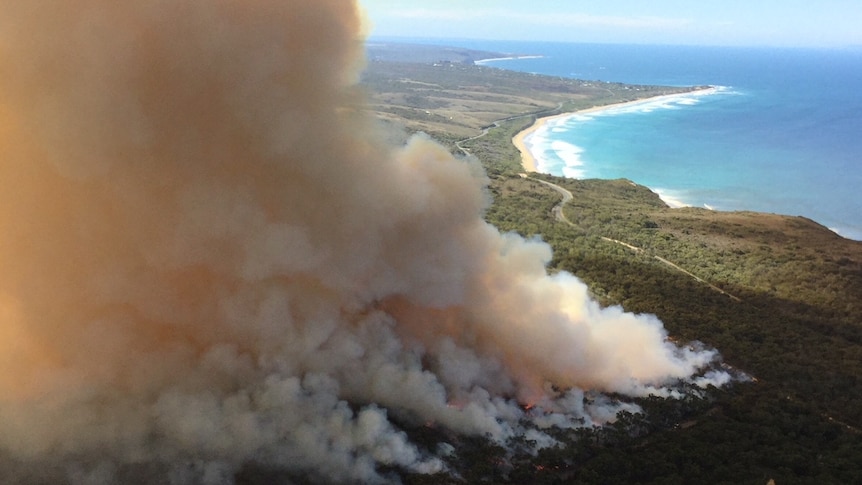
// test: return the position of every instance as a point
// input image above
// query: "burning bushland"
(211, 258)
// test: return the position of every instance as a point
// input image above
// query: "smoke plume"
(209, 258)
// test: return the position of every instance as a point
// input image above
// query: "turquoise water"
(782, 133)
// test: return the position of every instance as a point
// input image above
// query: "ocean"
(781, 134)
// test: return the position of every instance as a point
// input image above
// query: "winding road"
(557, 211)
(559, 215)
(496, 124)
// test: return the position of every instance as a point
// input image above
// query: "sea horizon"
(778, 135)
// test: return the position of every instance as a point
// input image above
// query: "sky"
(792, 23)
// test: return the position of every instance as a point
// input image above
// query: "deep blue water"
(782, 134)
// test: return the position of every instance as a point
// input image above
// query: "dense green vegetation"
(779, 296)
(795, 329)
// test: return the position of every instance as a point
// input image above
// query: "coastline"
(511, 58)
(529, 161)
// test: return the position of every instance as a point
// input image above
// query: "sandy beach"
(528, 160)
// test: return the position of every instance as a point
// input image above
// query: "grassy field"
(788, 312)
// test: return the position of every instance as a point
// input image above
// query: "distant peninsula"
(386, 51)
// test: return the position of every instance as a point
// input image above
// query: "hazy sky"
(725, 22)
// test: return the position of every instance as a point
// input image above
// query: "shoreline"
(529, 161)
(510, 58)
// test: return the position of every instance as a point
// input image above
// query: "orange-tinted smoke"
(206, 251)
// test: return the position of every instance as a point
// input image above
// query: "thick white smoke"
(209, 258)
